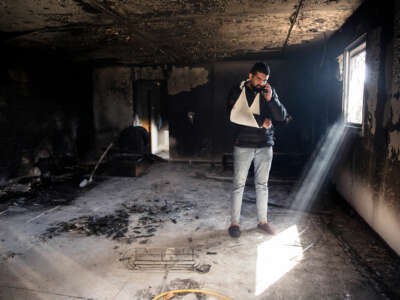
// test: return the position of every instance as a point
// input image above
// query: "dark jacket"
(252, 137)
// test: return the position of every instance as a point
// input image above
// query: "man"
(252, 105)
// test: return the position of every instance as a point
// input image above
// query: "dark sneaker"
(234, 231)
(267, 228)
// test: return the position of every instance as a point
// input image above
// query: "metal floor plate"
(160, 259)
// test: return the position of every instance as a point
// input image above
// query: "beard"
(258, 87)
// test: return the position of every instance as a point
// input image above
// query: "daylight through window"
(355, 70)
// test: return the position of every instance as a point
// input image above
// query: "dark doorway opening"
(150, 112)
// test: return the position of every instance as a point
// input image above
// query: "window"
(353, 82)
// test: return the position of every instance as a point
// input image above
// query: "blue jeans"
(242, 158)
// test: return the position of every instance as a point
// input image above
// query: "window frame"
(356, 47)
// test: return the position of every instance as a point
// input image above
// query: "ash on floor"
(320, 255)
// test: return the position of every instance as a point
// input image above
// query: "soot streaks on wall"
(185, 79)
(190, 107)
(367, 175)
(112, 101)
(394, 127)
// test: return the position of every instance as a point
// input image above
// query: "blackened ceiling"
(168, 31)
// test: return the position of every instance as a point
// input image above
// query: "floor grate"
(160, 259)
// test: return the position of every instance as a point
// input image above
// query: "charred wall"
(190, 112)
(188, 103)
(45, 112)
(192, 101)
(112, 102)
(209, 134)
(368, 172)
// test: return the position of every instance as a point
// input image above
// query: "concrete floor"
(182, 211)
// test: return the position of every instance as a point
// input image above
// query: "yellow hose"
(171, 294)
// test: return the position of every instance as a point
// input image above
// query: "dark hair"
(261, 68)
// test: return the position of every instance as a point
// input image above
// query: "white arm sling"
(241, 113)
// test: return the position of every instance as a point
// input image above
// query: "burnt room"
(181, 149)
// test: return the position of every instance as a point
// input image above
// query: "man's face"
(258, 80)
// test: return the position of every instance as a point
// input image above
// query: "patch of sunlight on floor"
(276, 257)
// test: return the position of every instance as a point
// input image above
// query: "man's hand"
(267, 92)
(267, 123)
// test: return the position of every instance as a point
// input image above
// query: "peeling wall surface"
(190, 107)
(368, 174)
(394, 145)
(113, 102)
(394, 131)
(185, 79)
(371, 83)
(148, 73)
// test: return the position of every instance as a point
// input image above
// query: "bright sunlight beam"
(276, 257)
(319, 166)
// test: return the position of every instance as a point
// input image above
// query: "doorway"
(150, 112)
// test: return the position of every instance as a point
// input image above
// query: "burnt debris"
(39, 191)
(112, 226)
(131, 223)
